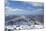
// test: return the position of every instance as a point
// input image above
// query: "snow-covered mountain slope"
(25, 21)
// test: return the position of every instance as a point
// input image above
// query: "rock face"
(23, 21)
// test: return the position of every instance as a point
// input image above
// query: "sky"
(24, 8)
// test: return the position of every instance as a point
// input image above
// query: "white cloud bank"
(37, 4)
(11, 11)
(16, 11)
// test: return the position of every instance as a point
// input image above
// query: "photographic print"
(22, 15)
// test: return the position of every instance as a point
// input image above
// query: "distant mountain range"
(19, 20)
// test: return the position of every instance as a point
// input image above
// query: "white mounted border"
(2, 16)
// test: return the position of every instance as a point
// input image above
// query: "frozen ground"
(25, 27)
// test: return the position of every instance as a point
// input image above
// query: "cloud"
(24, 9)
(33, 3)
(37, 4)
(24, 5)
(16, 11)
